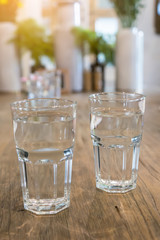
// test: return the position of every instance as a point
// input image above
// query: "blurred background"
(79, 46)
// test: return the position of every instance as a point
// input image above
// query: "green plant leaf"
(29, 36)
(127, 11)
(96, 43)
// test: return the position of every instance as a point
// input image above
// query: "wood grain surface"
(93, 214)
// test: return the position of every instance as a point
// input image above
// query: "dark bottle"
(97, 75)
(157, 17)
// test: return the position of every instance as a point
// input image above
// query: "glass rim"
(123, 96)
(20, 104)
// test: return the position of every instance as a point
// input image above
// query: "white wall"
(151, 46)
(31, 9)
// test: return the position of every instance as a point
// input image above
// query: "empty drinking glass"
(44, 84)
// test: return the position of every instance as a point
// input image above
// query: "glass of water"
(116, 122)
(44, 133)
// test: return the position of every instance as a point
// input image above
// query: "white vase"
(129, 60)
(67, 56)
(9, 64)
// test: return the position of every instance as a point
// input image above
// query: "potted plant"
(96, 45)
(90, 41)
(29, 36)
(9, 65)
(129, 47)
(127, 11)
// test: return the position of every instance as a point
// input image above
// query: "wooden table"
(93, 214)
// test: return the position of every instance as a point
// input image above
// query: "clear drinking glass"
(116, 122)
(44, 133)
(44, 84)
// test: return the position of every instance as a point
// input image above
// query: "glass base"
(46, 206)
(116, 186)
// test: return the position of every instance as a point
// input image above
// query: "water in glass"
(116, 136)
(44, 146)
